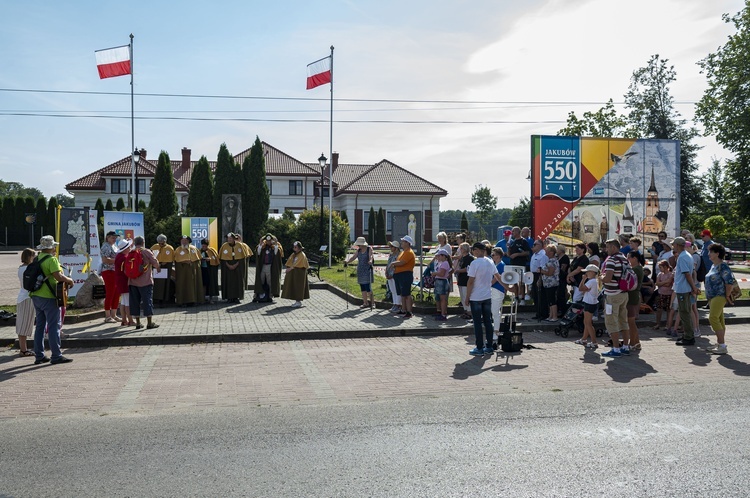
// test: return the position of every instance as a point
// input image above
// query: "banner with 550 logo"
(560, 168)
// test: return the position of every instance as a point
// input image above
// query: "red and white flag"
(113, 62)
(319, 72)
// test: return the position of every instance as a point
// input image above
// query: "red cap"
(507, 232)
(706, 233)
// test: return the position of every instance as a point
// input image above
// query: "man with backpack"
(616, 308)
(138, 264)
(46, 270)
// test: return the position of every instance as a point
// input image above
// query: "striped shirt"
(615, 264)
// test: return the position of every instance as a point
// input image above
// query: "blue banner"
(560, 168)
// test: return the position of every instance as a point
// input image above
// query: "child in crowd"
(590, 289)
(442, 286)
(25, 311)
(461, 268)
(664, 281)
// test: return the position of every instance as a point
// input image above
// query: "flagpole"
(132, 132)
(330, 174)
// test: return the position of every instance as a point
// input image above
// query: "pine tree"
(41, 217)
(380, 239)
(225, 182)
(52, 214)
(256, 198)
(344, 217)
(120, 204)
(201, 195)
(371, 226)
(99, 206)
(109, 206)
(464, 223)
(163, 198)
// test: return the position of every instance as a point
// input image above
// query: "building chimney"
(185, 158)
(334, 161)
(143, 153)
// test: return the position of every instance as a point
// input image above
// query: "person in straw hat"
(45, 303)
(365, 261)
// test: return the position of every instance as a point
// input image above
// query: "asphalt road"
(678, 440)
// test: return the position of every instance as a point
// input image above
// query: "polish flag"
(113, 61)
(319, 72)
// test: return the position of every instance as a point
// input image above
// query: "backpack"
(701, 272)
(134, 266)
(33, 275)
(628, 281)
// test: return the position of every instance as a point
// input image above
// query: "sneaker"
(393, 309)
(44, 359)
(625, 352)
(489, 350)
(592, 345)
(717, 349)
(612, 354)
(61, 359)
(580, 342)
(685, 342)
(441, 318)
(711, 347)
(697, 332)
(477, 352)
(406, 315)
(668, 332)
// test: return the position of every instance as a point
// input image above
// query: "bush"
(308, 232)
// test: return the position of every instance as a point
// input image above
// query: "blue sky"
(498, 51)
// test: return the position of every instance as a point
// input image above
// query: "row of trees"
(13, 216)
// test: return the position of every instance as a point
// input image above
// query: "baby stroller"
(574, 318)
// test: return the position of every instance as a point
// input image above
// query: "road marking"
(319, 385)
(129, 394)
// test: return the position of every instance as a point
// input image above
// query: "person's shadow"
(592, 357)
(739, 367)
(625, 370)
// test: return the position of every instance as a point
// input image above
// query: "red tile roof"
(384, 177)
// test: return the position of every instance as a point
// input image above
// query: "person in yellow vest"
(163, 287)
(209, 271)
(295, 282)
(184, 274)
(248, 255)
(232, 255)
(195, 258)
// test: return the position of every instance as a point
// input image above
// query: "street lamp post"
(322, 161)
(136, 157)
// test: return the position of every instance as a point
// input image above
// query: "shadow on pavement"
(739, 367)
(697, 354)
(625, 369)
(592, 357)
(476, 365)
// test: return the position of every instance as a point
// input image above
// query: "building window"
(325, 192)
(119, 186)
(141, 185)
(365, 220)
(269, 184)
(295, 187)
(388, 224)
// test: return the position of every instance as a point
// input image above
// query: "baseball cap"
(507, 232)
(407, 238)
(593, 268)
(706, 233)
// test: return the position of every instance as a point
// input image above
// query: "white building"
(293, 185)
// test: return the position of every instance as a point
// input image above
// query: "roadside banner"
(202, 228)
(125, 224)
(79, 244)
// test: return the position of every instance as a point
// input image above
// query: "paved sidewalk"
(118, 381)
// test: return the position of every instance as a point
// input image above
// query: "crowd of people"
(187, 276)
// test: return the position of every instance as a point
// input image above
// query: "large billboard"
(202, 228)
(592, 189)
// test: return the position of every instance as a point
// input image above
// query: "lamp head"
(322, 160)
(136, 155)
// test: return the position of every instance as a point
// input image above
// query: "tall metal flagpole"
(132, 132)
(330, 174)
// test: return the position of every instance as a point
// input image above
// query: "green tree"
(464, 222)
(41, 217)
(284, 229)
(52, 213)
(153, 226)
(605, 122)
(652, 115)
(380, 238)
(256, 198)
(308, 226)
(6, 221)
(163, 198)
(15, 189)
(201, 195)
(485, 203)
(371, 226)
(717, 224)
(225, 180)
(65, 200)
(521, 215)
(724, 109)
(120, 205)
(344, 216)
(99, 207)
(109, 206)
(288, 214)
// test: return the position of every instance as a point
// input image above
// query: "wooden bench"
(314, 260)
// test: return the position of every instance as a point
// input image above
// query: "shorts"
(403, 282)
(441, 287)
(590, 308)
(125, 298)
(365, 287)
(663, 301)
